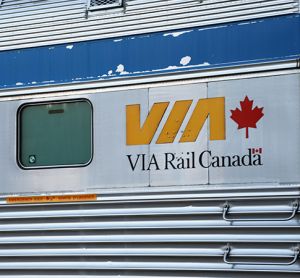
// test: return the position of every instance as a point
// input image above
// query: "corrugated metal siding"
(158, 237)
(27, 23)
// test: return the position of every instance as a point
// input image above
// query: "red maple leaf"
(247, 117)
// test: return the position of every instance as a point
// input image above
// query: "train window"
(55, 134)
(104, 4)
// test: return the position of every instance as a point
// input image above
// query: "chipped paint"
(185, 60)
(205, 64)
(248, 22)
(213, 27)
(70, 46)
(120, 68)
(124, 72)
(177, 34)
(169, 68)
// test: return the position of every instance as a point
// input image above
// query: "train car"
(150, 138)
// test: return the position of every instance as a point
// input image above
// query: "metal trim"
(226, 207)
(227, 254)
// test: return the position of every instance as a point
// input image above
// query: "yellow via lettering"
(214, 108)
(137, 135)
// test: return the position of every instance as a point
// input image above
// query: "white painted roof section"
(28, 23)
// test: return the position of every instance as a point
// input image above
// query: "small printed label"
(51, 199)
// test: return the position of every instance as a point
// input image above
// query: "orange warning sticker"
(51, 199)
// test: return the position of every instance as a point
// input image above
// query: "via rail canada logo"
(246, 117)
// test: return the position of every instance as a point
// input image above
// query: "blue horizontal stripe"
(241, 43)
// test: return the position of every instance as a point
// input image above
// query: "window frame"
(18, 134)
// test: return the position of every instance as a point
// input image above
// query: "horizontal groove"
(16, 8)
(87, 274)
(41, 16)
(142, 274)
(132, 265)
(40, 6)
(113, 19)
(63, 18)
(113, 212)
(140, 211)
(143, 12)
(158, 238)
(205, 4)
(158, 4)
(261, 192)
(219, 4)
(179, 5)
(26, 3)
(185, 252)
(40, 12)
(73, 37)
(182, 8)
(124, 24)
(81, 18)
(156, 252)
(165, 224)
(118, 22)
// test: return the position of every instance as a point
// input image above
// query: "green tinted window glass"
(55, 134)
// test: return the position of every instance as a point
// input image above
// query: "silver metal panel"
(29, 23)
(277, 133)
(182, 152)
(111, 167)
(15, 179)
